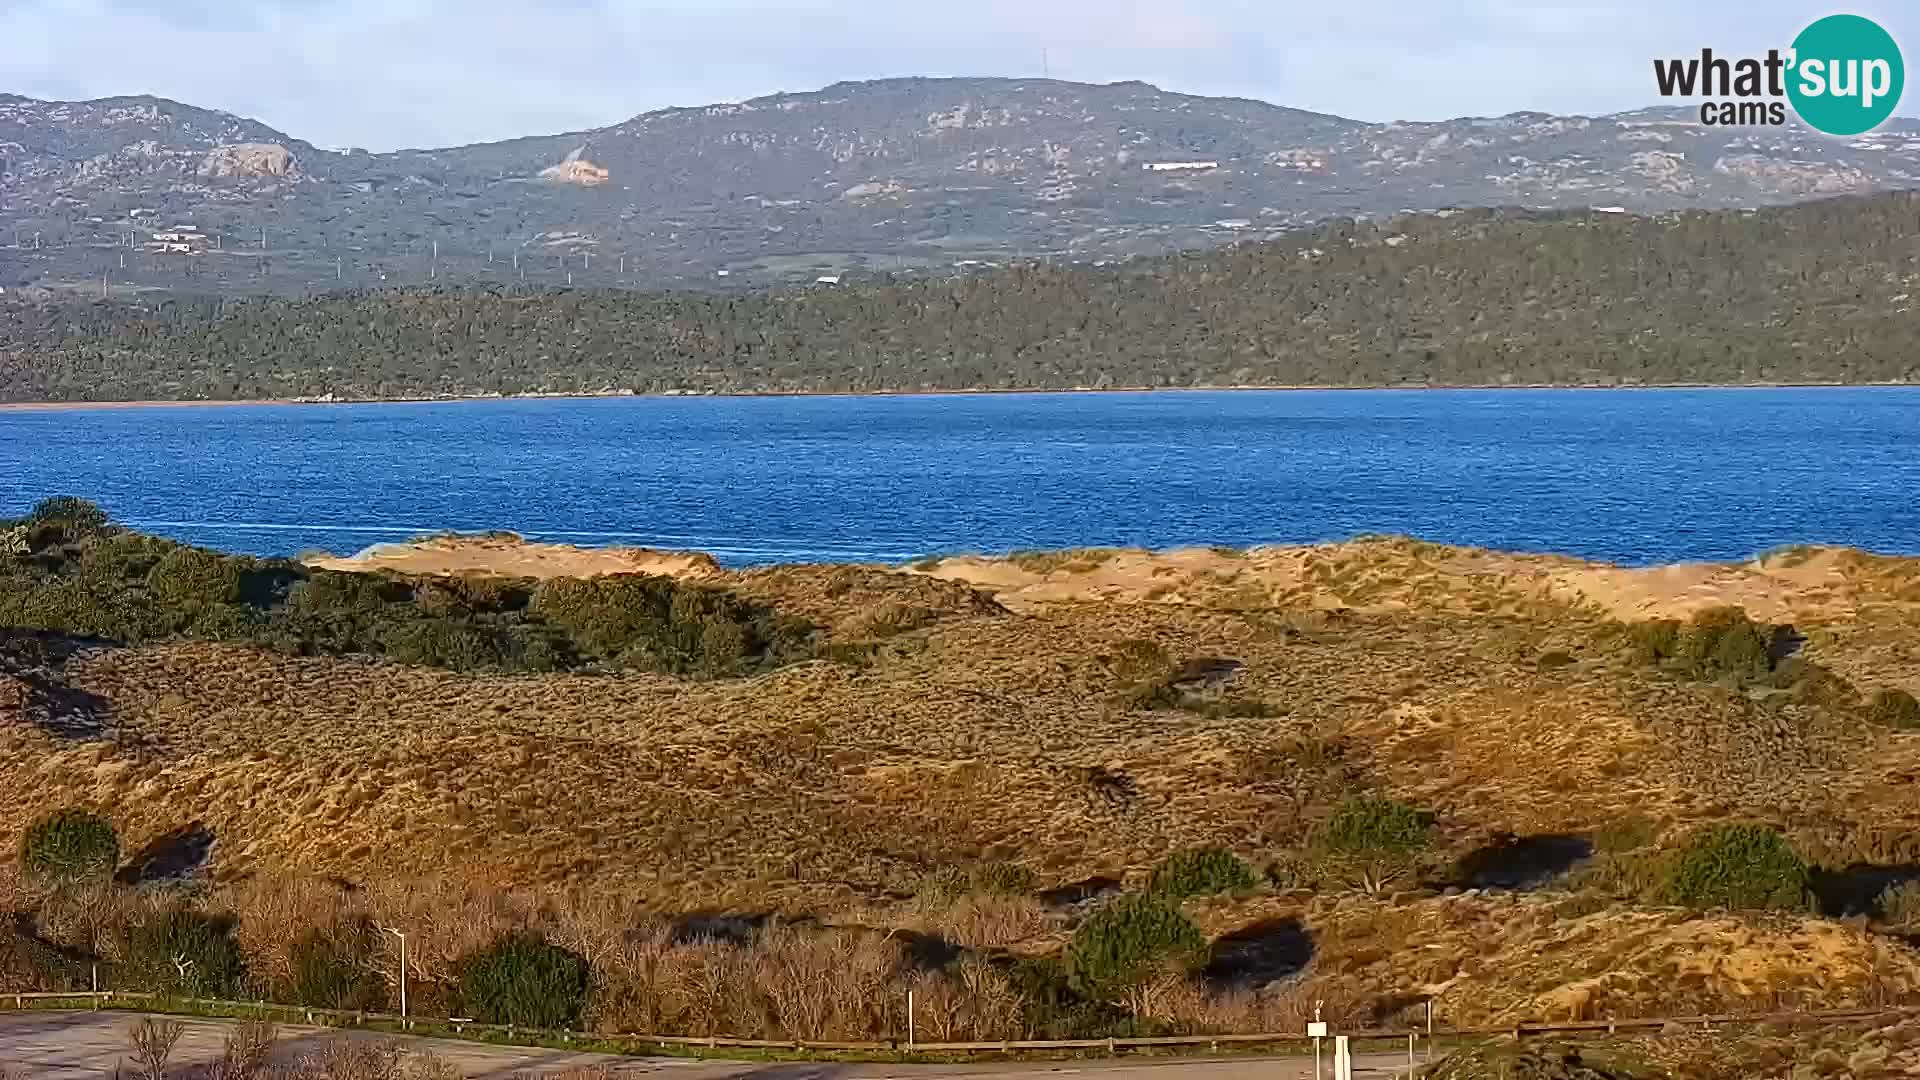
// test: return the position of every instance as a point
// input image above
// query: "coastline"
(68, 406)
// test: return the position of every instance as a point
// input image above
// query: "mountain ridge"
(901, 175)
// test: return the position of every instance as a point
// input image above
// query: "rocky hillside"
(889, 176)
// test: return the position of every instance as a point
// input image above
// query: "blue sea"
(1633, 476)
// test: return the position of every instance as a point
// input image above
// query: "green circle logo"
(1846, 76)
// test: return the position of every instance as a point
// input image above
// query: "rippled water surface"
(1637, 476)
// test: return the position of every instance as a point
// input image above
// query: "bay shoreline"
(68, 406)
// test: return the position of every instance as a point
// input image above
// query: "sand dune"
(510, 556)
(1372, 575)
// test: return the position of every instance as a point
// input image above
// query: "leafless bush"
(991, 921)
(631, 989)
(347, 1059)
(712, 987)
(272, 914)
(152, 1042)
(1192, 1006)
(826, 984)
(80, 915)
(248, 1053)
(443, 920)
(970, 1000)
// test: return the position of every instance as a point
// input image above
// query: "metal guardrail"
(352, 1018)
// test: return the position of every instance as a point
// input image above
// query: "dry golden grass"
(1490, 689)
(996, 736)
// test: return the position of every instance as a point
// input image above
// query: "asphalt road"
(91, 1045)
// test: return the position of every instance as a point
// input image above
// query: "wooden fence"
(116, 999)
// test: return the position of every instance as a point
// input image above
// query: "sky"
(387, 74)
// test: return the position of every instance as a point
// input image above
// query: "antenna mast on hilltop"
(1046, 69)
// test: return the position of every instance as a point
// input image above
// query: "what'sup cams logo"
(1842, 76)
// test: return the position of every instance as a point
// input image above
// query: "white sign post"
(1342, 1059)
(1316, 1030)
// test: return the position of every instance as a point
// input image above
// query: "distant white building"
(1180, 166)
(827, 279)
(179, 240)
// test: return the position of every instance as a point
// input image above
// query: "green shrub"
(1717, 642)
(1003, 879)
(182, 952)
(333, 968)
(335, 612)
(132, 588)
(653, 623)
(1895, 708)
(442, 643)
(1127, 941)
(76, 519)
(1206, 871)
(1050, 1007)
(1369, 842)
(1367, 825)
(1737, 866)
(69, 846)
(522, 979)
(190, 577)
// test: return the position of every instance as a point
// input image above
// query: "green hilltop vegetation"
(1817, 292)
(67, 569)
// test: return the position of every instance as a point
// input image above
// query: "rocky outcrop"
(1794, 177)
(576, 169)
(238, 160)
(873, 189)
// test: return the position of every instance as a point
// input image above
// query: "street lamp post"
(403, 975)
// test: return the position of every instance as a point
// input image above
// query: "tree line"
(1817, 292)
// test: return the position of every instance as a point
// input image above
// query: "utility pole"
(623, 266)
(586, 260)
(336, 268)
(403, 975)
(104, 289)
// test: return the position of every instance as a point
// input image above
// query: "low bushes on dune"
(79, 574)
(523, 979)
(177, 950)
(1205, 871)
(1716, 643)
(1737, 866)
(69, 846)
(1127, 941)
